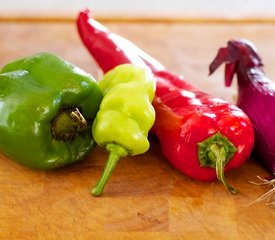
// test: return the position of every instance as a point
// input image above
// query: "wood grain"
(146, 198)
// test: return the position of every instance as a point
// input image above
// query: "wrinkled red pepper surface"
(201, 135)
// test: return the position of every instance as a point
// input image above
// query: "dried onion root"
(269, 196)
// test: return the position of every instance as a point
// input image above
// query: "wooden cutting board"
(146, 198)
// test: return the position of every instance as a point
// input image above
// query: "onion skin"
(256, 94)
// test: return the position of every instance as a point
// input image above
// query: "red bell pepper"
(201, 135)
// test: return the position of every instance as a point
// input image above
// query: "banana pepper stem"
(115, 153)
(67, 124)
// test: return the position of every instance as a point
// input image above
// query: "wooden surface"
(146, 198)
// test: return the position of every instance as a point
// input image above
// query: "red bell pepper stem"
(200, 135)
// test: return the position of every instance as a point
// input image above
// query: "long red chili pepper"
(201, 135)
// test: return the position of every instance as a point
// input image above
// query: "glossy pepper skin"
(125, 116)
(46, 106)
(201, 135)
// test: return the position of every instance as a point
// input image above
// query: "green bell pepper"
(125, 116)
(47, 106)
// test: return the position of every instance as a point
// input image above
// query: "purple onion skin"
(256, 94)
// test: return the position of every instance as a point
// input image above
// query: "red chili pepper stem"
(216, 151)
(115, 153)
(67, 124)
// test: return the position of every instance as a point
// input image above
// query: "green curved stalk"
(115, 153)
(216, 151)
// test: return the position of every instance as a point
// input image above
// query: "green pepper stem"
(216, 151)
(115, 153)
(220, 155)
(67, 124)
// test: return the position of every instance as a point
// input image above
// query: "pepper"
(125, 116)
(46, 109)
(201, 135)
